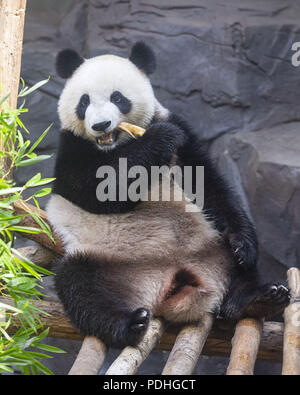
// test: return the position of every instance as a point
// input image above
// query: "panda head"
(105, 90)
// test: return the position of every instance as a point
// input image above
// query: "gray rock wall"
(224, 65)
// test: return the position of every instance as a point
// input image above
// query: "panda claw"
(273, 290)
(283, 289)
(244, 251)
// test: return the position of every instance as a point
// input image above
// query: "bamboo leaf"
(26, 91)
(19, 277)
(40, 139)
(33, 161)
(46, 347)
(43, 192)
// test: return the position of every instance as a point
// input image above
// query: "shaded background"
(225, 65)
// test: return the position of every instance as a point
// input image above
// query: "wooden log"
(131, 358)
(12, 14)
(291, 348)
(38, 254)
(22, 207)
(245, 345)
(90, 358)
(187, 348)
(218, 341)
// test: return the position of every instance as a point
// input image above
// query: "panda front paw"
(166, 132)
(245, 251)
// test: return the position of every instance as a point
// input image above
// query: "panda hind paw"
(138, 325)
(271, 300)
(139, 320)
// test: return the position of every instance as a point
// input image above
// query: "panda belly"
(129, 235)
(174, 262)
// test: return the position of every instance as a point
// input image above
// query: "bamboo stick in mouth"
(133, 130)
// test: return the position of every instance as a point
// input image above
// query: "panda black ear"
(143, 57)
(67, 61)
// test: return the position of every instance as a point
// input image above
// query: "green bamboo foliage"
(20, 279)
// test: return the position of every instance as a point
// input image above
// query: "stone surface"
(220, 65)
(226, 67)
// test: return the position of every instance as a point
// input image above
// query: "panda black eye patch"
(82, 106)
(123, 104)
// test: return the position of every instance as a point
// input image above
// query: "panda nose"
(101, 126)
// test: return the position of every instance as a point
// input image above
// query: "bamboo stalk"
(90, 358)
(12, 14)
(291, 347)
(131, 358)
(245, 345)
(188, 347)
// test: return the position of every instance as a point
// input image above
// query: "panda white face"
(102, 92)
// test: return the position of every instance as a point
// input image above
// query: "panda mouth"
(107, 139)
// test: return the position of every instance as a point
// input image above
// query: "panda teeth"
(108, 139)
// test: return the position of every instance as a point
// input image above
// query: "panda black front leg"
(238, 229)
(156, 147)
(94, 305)
(244, 247)
(221, 205)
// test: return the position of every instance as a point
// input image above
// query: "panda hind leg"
(93, 295)
(246, 298)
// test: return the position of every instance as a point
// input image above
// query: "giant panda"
(128, 260)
